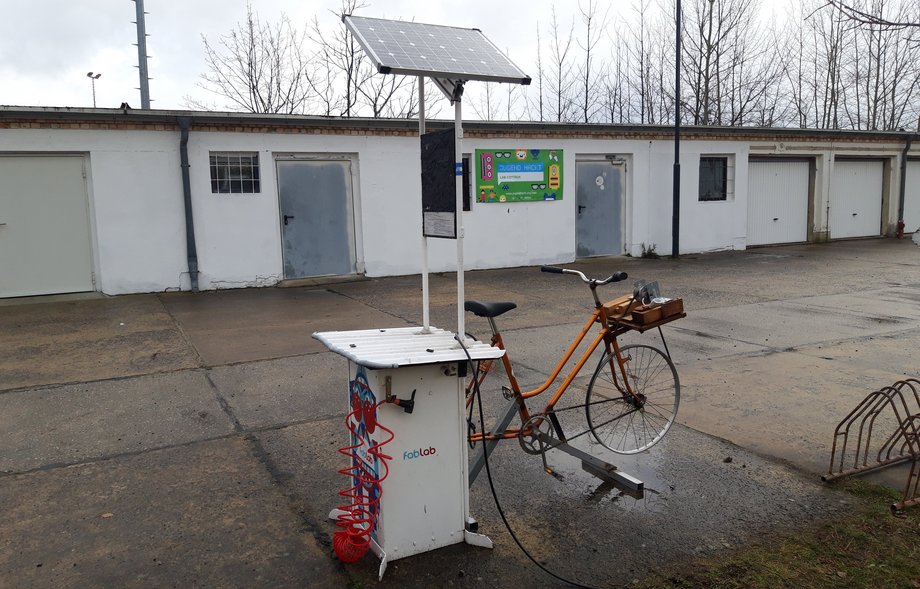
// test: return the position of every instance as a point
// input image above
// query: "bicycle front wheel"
(628, 424)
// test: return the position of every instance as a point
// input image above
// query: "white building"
(95, 199)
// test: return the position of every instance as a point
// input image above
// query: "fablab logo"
(412, 454)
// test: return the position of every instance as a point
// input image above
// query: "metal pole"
(675, 203)
(426, 320)
(142, 53)
(92, 80)
(458, 175)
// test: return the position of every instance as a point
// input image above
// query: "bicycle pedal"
(507, 393)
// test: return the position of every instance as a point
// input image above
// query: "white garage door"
(856, 199)
(912, 197)
(44, 226)
(777, 202)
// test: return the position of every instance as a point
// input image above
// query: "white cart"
(424, 502)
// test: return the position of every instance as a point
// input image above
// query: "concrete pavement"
(183, 439)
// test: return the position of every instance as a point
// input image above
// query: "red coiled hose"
(360, 512)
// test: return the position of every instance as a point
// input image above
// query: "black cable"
(498, 505)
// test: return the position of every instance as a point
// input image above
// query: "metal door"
(317, 226)
(777, 202)
(45, 245)
(599, 200)
(856, 199)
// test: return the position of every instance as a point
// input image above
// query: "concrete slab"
(895, 353)
(895, 302)
(572, 522)
(786, 324)
(848, 308)
(256, 324)
(278, 392)
(784, 404)
(83, 340)
(76, 423)
(205, 515)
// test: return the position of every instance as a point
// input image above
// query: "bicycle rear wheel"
(628, 425)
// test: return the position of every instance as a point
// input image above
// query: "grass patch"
(864, 546)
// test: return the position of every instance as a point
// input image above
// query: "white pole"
(458, 175)
(426, 328)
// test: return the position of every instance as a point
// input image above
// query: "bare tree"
(728, 63)
(341, 50)
(561, 79)
(617, 103)
(488, 105)
(378, 91)
(858, 13)
(588, 78)
(882, 77)
(258, 67)
(645, 42)
(404, 104)
(539, 99)
(827, 38)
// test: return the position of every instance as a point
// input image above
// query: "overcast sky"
(48, 46)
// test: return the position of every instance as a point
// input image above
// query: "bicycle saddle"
(487, 309)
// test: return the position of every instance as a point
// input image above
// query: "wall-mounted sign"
(516, 175)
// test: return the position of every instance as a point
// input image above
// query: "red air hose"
(359, 519)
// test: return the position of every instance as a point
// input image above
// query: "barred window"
(713, 178)
(235, 172)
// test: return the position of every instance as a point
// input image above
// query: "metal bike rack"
(894, 411)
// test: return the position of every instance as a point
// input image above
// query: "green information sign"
(517, 175)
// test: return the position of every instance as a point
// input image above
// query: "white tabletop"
(403, 346)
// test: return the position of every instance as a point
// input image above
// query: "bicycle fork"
(612, 349)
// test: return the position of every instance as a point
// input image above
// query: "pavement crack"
(280, 480)
(224, 404)
(378, 309)
(181, 331)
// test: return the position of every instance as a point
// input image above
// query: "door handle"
(581, 208)
(286, 217)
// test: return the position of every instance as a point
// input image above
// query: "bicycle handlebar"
(615, 277)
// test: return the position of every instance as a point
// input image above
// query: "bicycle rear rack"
(895, 411)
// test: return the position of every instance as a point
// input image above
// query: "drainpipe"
(187, 195)
(910, 139)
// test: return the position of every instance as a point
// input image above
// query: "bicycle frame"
(608, 335)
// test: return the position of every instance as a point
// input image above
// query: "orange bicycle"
(632, 398)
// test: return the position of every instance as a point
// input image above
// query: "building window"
(716, 178)
(235, 172)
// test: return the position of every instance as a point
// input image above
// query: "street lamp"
(92, 78)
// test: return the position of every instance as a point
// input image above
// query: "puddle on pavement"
(645, 466)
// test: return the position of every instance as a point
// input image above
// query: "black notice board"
(439, 185)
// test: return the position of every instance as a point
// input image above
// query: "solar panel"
(436, 51)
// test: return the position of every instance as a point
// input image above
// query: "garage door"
(856, 199)
(912, 197)
(777, 202)
(44, 226)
